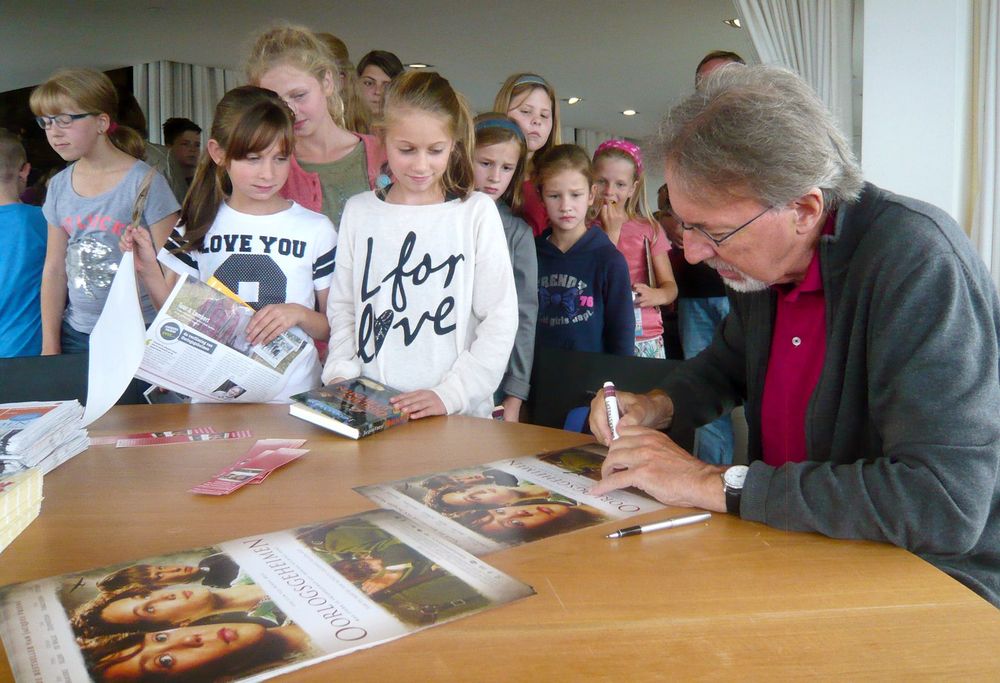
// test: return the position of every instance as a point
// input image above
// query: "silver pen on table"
(656, 526)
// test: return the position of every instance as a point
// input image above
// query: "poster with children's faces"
(195, 613)
(508, 502)
(250, 608)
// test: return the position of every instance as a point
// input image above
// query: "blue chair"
(576, 419)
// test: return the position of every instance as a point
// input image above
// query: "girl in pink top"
(331, 164)
(625, 217)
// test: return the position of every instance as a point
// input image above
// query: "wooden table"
(729, 599)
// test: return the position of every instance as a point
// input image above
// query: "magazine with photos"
(197, 347)
(41, 434)
(508, 502)
(24, 425)
(247, 609)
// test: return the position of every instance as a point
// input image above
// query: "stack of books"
(20, 502)
(42, 434)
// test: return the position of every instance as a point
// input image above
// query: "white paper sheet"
(116, 343)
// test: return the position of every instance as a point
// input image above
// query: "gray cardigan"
(520, 241)
(903, 428)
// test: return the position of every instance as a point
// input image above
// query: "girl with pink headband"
(629, 224)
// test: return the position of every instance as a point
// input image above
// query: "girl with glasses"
(89, 204)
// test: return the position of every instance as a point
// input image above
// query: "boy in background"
(183, 139)
(23, 233)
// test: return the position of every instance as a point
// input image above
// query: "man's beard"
(746, 284)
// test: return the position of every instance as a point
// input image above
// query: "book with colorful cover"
(353, 408)
(248, 609)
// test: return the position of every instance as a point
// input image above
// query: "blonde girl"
(331, 163)
(584, 294)
(629, 224)
(276, 255)
(423, 294)
(89, 203)
(532, 103)
(357, 118)
(498, 168)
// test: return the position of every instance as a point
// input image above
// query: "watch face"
(735, 476)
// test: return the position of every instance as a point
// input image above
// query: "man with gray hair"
(863, 340)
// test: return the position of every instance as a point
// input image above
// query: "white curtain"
(165, 89)
(985, 176)
(814, 38)
(589, 139)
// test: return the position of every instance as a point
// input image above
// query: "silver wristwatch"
(732, 486)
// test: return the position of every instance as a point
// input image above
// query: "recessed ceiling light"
(630, 112)
(573, 100)
(733, 23)
(418, 65)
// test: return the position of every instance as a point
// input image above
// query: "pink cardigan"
(304, 188)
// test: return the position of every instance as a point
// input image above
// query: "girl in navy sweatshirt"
(584, 292)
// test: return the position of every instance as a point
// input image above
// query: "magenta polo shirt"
(798, 349)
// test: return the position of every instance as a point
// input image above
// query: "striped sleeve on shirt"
(323, 267)
(173, 246)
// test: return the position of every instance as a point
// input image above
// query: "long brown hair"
(247, 120)
(91, 92)
(428, 91)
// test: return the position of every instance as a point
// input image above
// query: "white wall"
(916, 103)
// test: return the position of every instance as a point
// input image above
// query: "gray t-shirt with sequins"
(94, 226)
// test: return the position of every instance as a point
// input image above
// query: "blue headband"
(504, 123)
(531, 78)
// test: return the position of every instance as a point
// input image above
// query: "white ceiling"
(637, 55)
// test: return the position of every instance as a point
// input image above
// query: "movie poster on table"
(197, 346)
(504, 503)
(247, 609)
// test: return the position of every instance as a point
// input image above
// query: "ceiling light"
(733, 23)
(573, 100)
(630, 112)
(418, 65)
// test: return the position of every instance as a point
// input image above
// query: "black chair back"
(53, 378)
(563, 380)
